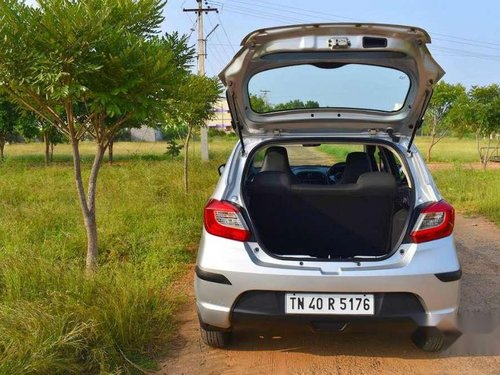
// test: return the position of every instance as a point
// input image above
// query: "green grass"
(54, 318)
(339, 151)
(450, 150)
(471, 191)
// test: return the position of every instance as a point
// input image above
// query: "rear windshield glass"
(328, 86)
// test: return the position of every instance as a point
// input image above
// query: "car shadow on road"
(382, 340)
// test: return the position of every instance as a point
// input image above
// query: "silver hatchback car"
(325, 213)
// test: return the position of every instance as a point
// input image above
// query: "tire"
(428, 339)
(215, 339)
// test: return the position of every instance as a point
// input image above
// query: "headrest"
(357, 163)
(276, 160)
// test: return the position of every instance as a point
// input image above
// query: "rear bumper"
(256, 306)
(259, 306)
(428, 273)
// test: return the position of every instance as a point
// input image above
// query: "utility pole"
(264, 94)
(201, 65)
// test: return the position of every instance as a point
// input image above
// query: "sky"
(465, 34)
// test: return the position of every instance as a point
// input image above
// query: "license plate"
(329, 304)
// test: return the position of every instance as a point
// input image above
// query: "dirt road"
(374, 350)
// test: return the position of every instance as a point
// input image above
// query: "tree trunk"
(88, 204)
(433, 140)
(110, 151)
(47, 147)
(92, 249)
(431, 145)
(478, 146)
(51, 152)
(2, 146)
(186, 158)
(487, 157)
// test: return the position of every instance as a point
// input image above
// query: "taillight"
(224, 219)
(435, 221)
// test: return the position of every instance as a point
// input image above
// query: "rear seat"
(323, 220)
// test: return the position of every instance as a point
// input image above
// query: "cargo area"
(356, 207)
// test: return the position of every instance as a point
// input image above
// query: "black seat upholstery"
(325, 221)
(270, 207)
(276, 160)
(357, 163)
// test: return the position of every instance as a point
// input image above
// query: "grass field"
(55, 319)
(450, 150)
(471, 191)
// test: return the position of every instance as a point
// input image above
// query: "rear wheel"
(215, 339)
(429, 339)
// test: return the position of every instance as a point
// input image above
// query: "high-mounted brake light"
(435, 221)
(224, 219)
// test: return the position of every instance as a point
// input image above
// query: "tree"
(479, 113)
(445, 95)
(31, 127)
(193, 108)
(260, 104)
(8, 119)
(90, 67)
(296, 104)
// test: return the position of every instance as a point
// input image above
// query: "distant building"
(222, 117)
(145, 134)
(220, 121)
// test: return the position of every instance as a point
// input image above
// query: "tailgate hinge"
(390, 132)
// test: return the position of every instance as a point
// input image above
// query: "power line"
(228, 56)
(225, 32)
(288, 15)
(461, 53)
(465, 43)
(272, 16)
(261, 16)
(465, 52)
(259, 11)
(225, 44)
(304, 12)
(467, 39)
(297, 10)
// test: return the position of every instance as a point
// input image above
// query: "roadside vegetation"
(56, 319)
(471, 191)
(82, 292)
(448, 150)
(90, 69)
